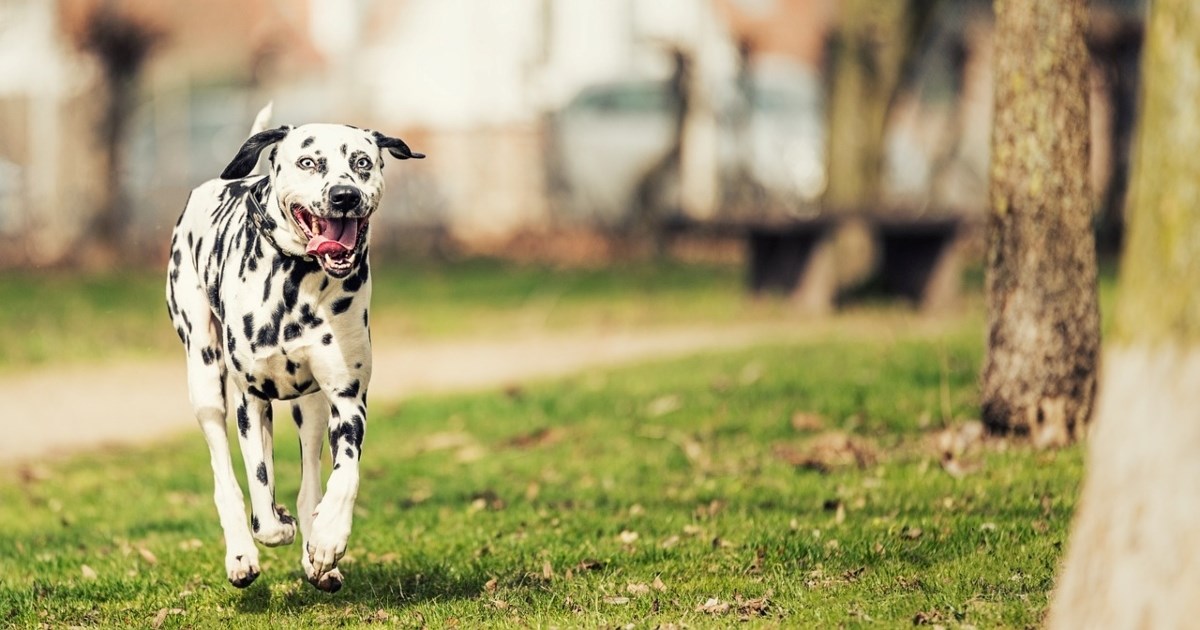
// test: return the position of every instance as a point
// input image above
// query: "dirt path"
(66, 409)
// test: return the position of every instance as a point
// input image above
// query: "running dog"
(269, 288)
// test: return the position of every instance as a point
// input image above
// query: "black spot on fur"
(297, 416)
(248, 326)
(176, 256)
(308, 317)
(307, 142)
(269, 390)
(291, 331)
(254, 522)
(326, 340)
(352, 431)
(341, 305)
(261, 473)
(350, 392)
(303, 387)
(291, 368)
(243, 419)
(349, 452)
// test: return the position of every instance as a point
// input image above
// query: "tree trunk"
(1133, 559)
(1039, 377)
(869, 53)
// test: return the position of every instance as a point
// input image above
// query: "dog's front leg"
(270, 522)
(311, 414)
(331, 525)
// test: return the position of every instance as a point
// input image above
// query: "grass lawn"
(57, 317)
(684, 493)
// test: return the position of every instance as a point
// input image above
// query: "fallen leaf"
(499, 604)
(830, 451)
(658, 585)
(88, 572)
(627, 537)
(637, 588)
(490, 585)
(912, 533)
(713, 606)
(616, 600)
(544, 436)
(589, 565)
(159, 619)
(807, 421)
(147, 555)
(547, 571)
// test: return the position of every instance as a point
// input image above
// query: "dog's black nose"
(344, 198)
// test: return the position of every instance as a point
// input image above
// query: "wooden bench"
(919, 258)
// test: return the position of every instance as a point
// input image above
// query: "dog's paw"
(330, 582)
(327, 544)
(242, 569)
(277, 531)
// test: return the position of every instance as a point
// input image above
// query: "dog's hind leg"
(311, 414)
(271, 523)
(201, 335)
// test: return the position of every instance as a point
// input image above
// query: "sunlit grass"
(661, 494)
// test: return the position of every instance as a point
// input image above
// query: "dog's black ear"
(396, 147)
(247, 157)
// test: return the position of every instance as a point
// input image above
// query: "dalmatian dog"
(268, 288)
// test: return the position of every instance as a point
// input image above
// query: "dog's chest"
(286, 319)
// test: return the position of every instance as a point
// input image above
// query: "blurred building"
(521, 105)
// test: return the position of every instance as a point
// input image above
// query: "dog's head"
(328, 180)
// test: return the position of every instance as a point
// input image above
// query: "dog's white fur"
(258, 313)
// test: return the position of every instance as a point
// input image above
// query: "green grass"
(54, 317)
(566, 503)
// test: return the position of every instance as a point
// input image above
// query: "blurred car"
(770, 135)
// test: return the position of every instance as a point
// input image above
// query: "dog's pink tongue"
(337, 236)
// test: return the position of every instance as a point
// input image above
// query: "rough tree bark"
(1133, 559)
(1039, 377)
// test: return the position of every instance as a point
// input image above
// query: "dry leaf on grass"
(830, 451)
(713, 606)
(619, 601)
(627, 537)
(147, 555)
(637, 588)
(88, 572)
(544, 436)
(807, 421)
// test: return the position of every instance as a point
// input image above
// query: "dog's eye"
(306, 163)
(362, 163)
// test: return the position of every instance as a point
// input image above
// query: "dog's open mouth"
(333, 242)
